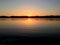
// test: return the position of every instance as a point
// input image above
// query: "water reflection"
(28, 22)
(56, 19)
(29, 25)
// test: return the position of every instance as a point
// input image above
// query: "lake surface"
(30, 27)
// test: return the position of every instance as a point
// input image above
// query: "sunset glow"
(29, 7)
(29, 15)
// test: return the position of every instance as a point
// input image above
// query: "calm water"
(29, 26)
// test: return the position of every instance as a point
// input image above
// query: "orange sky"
(29, 7)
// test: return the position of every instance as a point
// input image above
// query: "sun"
(29, 15)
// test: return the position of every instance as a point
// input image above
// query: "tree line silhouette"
(30, 16)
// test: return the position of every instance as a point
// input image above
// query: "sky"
(29, 7)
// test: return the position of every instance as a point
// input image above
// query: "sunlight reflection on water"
(29, 25)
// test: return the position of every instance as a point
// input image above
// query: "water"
(30, 26)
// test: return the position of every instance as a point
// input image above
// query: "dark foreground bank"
(17, 40)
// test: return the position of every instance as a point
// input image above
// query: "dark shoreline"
(29, 16)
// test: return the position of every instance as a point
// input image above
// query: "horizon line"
(30, 16)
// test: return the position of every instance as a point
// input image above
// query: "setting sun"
(29, 15)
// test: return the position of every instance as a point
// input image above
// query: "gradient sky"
(29, 7)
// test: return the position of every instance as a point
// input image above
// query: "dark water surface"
(30, 27)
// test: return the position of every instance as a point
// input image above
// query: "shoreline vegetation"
(29, 16)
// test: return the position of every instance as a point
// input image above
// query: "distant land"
(30, 16)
